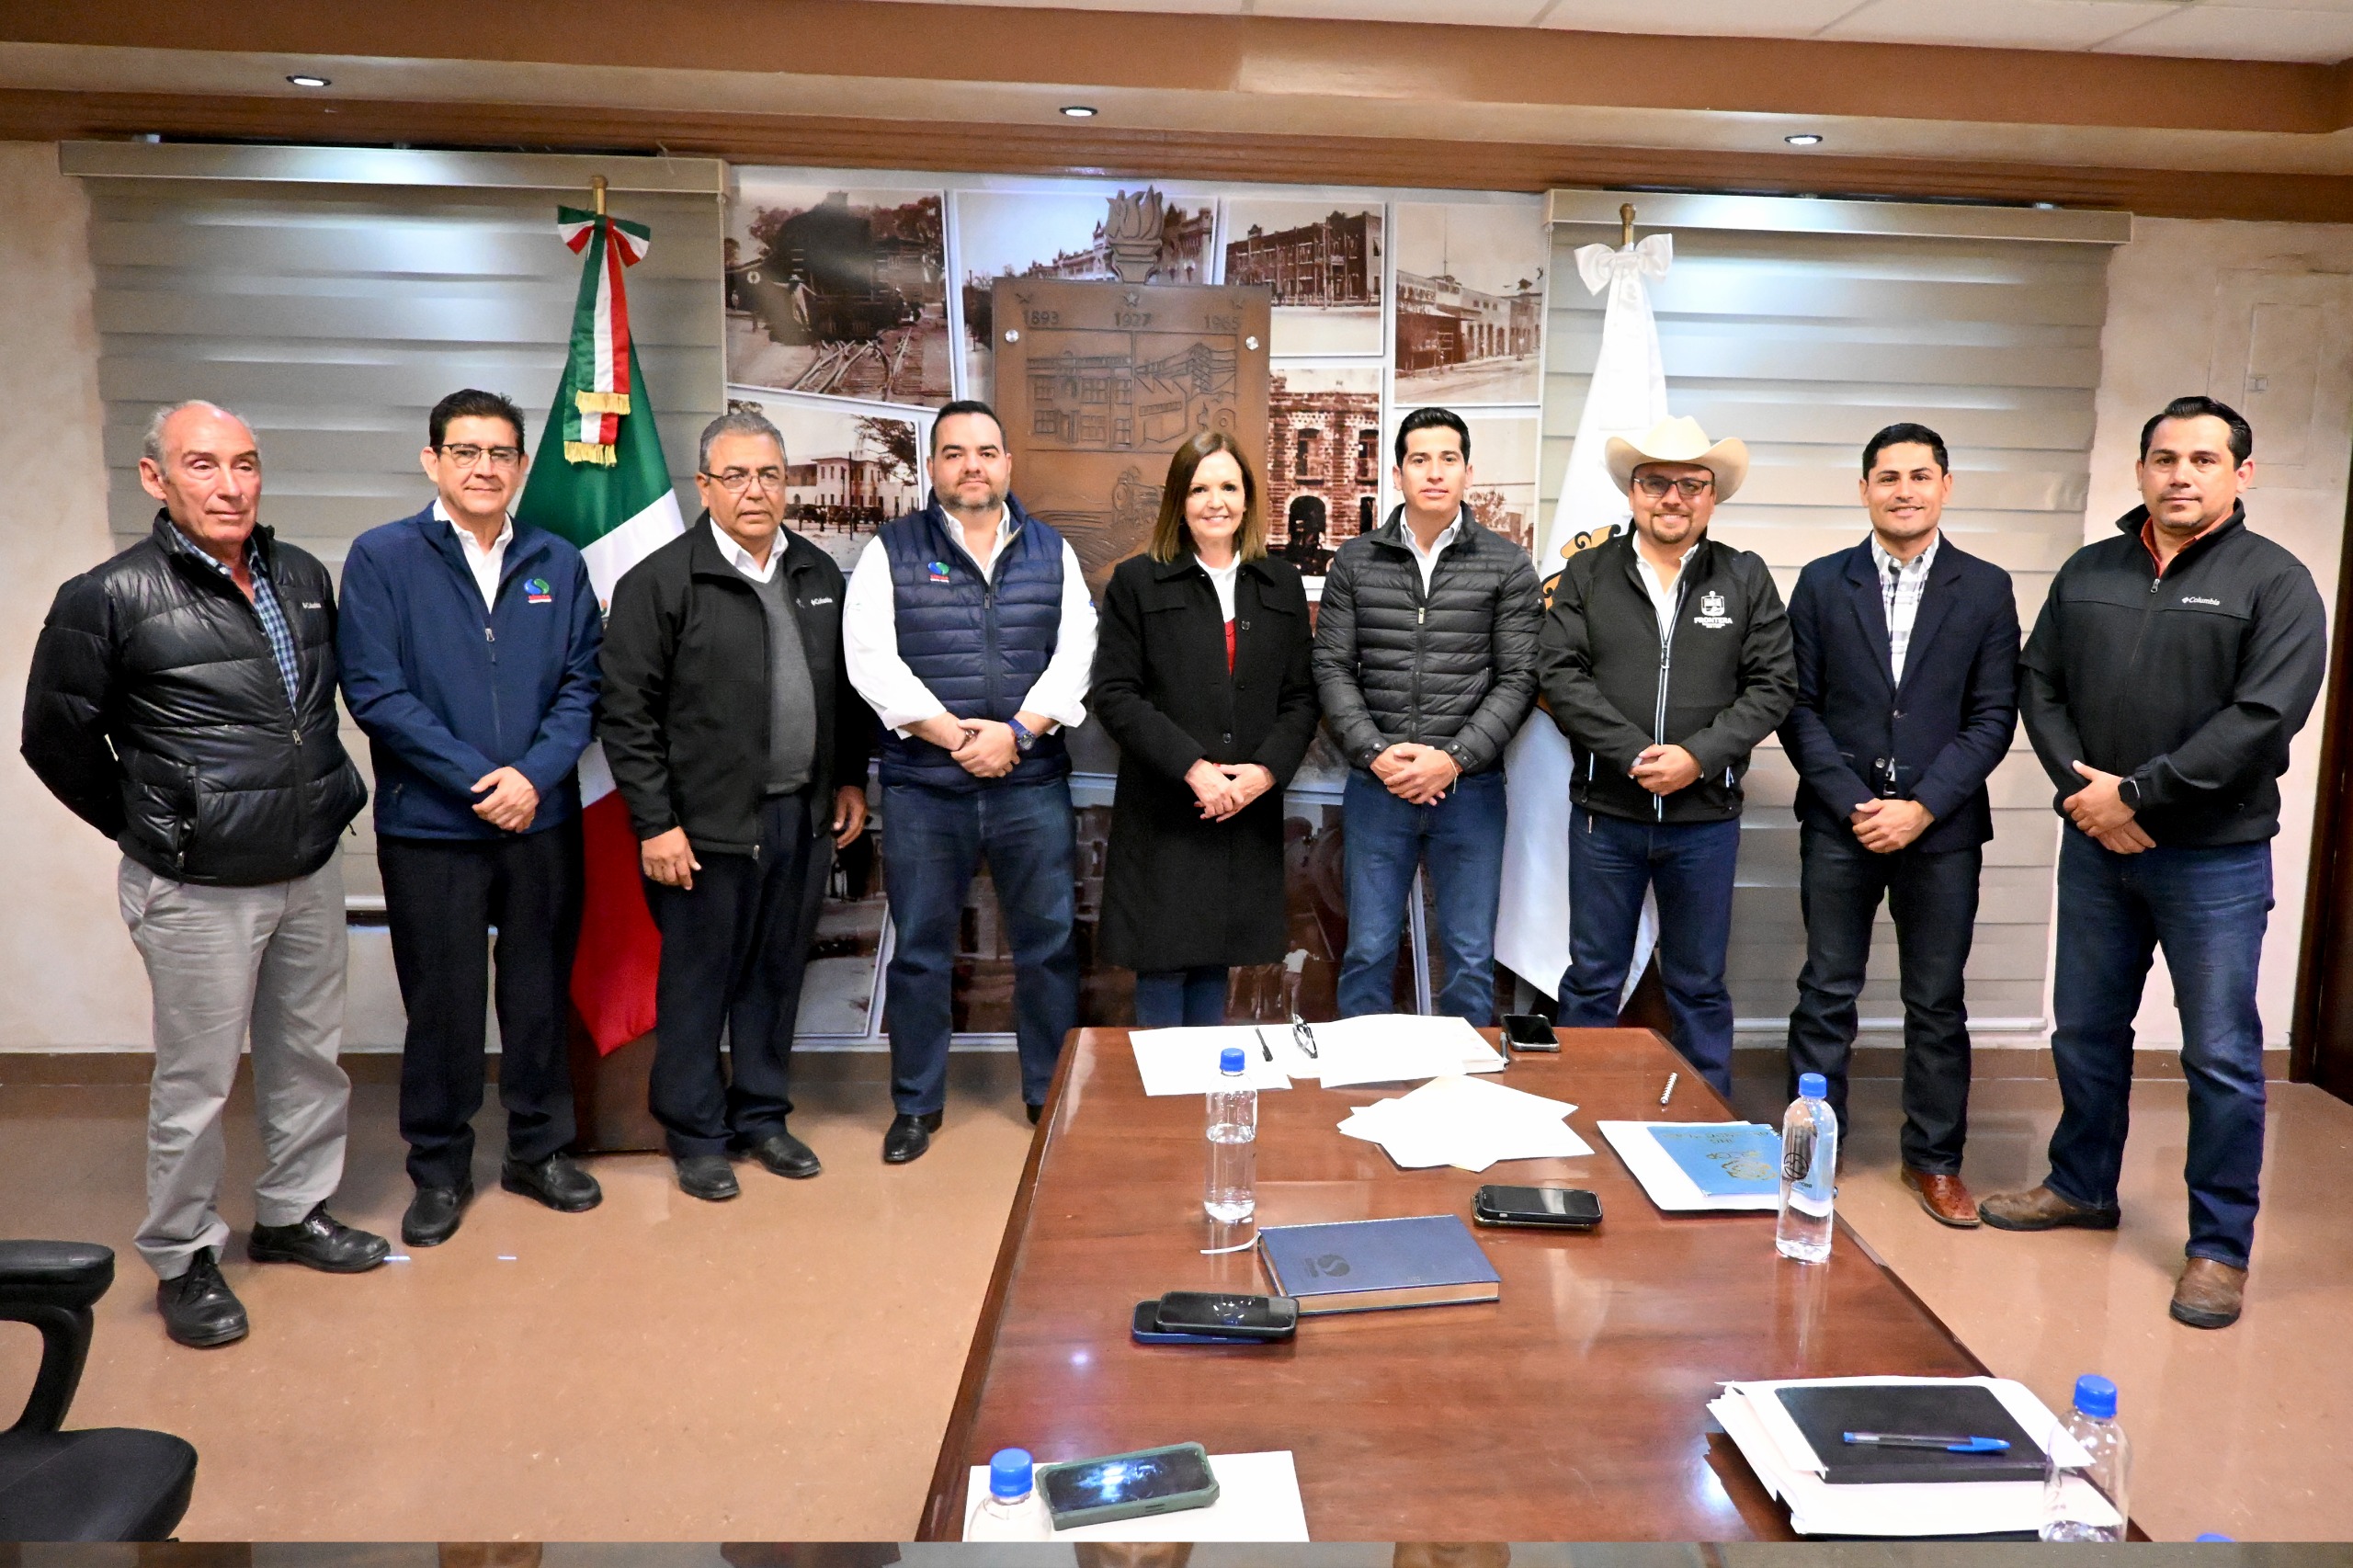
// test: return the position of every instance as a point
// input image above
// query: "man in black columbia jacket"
(739, 746)
(2170, 669)
(182, 703)
(1426, 660)
(1665, 659)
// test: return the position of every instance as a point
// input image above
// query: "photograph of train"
(1469, 302)
(839, 291)
(1323, 262)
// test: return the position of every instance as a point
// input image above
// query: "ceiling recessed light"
(1079, 112)
(302, 80)
(1804, 139)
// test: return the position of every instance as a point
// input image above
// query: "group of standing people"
(182, 701)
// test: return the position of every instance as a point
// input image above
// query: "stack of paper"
(1759, 1424)
(1258, 1499)
(1671, 1186)
(1468, 1123)
(1185, 1061)
(1385, 1048)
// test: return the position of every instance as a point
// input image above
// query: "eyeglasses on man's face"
(1656, 485)
(736, 481)
(465, 454)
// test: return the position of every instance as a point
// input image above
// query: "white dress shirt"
(1899, 586)
(870, 640)
(1428, 559)
(1222, 579)
(741, 559)
(485, 564)
(1661, 589)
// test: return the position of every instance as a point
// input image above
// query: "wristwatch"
(1022, 739)
(2128, 782)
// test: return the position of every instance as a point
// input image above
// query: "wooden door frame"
(2324, 963)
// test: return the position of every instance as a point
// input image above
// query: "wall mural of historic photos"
(1079, 231)
(1470, 305)
(839, 289)
(1504, 448)
(849, 466)
(1325, 458)
(1323, 261)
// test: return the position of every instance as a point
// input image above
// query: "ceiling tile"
(1997, 24)
(1725, 19)
(2238, 32)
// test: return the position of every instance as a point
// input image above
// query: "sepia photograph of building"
(1470, 303)
(1141, 236)
(1503, 452)
(837, 291)
(849, 467)
(1323, 265)
(1323, 460)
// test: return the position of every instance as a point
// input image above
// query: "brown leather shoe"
(2041, 1209)
(1947, 1201)
(2209, 1294)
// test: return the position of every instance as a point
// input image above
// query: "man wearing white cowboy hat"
(1664, 659)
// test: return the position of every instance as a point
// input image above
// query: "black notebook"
(1825, 1414)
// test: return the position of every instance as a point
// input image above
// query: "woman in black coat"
(1201, 676)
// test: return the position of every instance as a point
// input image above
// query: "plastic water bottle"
(1012, 1510)
(1231, 1196)
(2085, 1495)
(1809, 1173)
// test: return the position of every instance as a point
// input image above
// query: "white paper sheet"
(1469, 1123)
(1665, 1181)
(1185, 1061)
(1389, 1048)
(1258, 1499)
(1759, 1426)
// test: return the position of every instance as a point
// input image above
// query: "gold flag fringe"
(588, 451)
(601, 402)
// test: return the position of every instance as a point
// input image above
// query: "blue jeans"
(1173, 998)
(2207, 908)
(1612, 862)
(1384, 838)
(933, 840)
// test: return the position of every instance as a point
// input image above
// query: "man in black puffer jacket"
(1426, 660)
(182, 703)
(1666, 658)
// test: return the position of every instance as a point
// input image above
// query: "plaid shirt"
(1900, 585)
(265, 606)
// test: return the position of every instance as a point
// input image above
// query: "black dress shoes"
(199, 1311)
(1035, 1112)
(787, 1155)
(707, 1177)
(432, 1214)
(909, 1137)
(318, 1240)
(556, 1181)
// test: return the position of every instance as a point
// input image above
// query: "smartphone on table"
(1530, 1031)
(1126, 1486)
(1539, 1208)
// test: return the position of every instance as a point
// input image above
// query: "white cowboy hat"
(1679, 441)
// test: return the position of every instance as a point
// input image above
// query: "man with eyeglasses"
(1666, 658)
(468, 647)
(740, 749)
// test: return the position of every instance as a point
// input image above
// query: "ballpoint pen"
(1668, 1093)
(1951, 1445)
(1264, 1049)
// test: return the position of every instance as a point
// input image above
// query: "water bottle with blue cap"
(2088, 1469)
(1232, 1195)
(1012, 1510)
(1809, 1172)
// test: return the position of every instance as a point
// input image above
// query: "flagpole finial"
(596, 189)
(1625, 218)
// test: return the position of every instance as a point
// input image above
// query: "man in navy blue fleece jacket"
(469, 648)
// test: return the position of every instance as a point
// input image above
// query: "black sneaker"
(707, 1177)
(318, 1240)
(199, 1310)
(556, 1181)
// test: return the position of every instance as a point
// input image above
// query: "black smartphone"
(1126, 1486)
(1229, 1316)
(1530, 1031)
(1542, 1208)
(1145, 1330)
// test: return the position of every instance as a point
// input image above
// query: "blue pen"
(1929, 1440)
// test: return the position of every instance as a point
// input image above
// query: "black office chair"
(109, 1484)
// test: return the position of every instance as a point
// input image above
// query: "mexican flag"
(599, 480)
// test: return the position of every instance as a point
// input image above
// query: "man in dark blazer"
(1908, 652)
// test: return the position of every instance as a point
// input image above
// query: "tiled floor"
(780, 1368)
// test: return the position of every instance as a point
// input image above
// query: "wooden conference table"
(1572, 1409)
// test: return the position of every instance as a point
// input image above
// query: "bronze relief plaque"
(1098, 382)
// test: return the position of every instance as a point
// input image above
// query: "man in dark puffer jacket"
(182, 703)
(1426, 660)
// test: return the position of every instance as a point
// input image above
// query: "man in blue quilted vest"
(969, 631)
